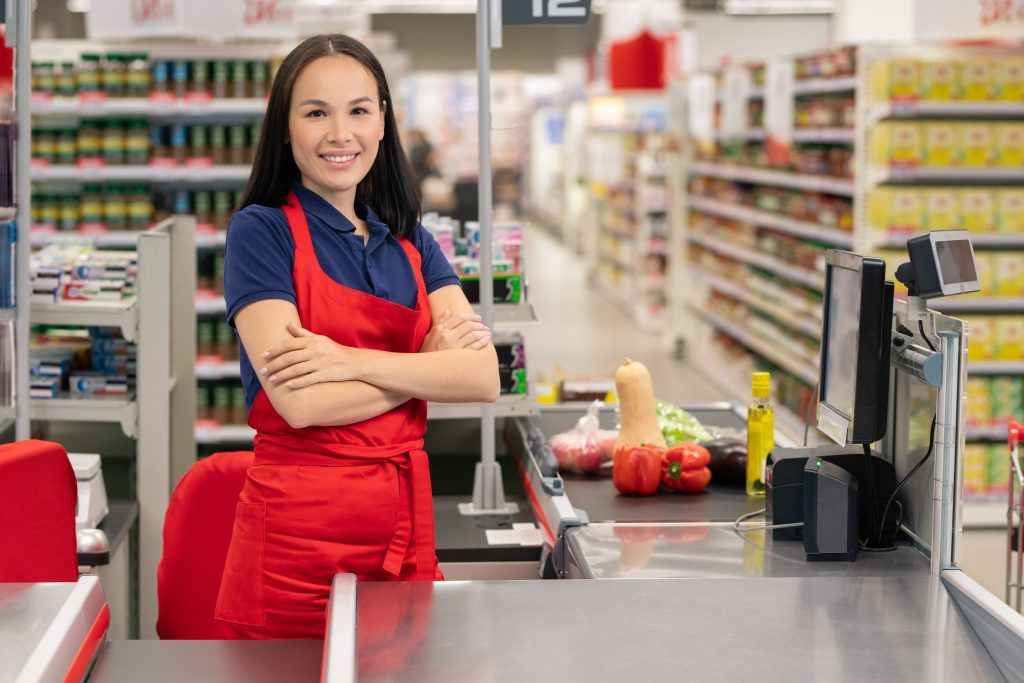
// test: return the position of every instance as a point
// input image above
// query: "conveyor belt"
(602, 503)
(464, 539)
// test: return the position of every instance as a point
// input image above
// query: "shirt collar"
(325, 211)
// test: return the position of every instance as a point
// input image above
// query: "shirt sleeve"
(437, 271)
(258, 258)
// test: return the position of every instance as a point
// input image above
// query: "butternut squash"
(637, 406)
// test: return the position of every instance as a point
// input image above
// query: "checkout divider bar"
(339, 658)
(72, 641)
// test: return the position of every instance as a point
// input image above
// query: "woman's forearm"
(453, 376)
(335, 404)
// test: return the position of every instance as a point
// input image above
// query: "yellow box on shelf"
(1009, 79)
(896, 80)
(941, 146)
(940, 80)
(977, 144)
(1010, 210)
(978, 210)
(977, 78)
(898, 144)
(1009, 144)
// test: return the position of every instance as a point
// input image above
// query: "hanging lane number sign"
(545, 11)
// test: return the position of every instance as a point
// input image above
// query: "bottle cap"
(761, 384)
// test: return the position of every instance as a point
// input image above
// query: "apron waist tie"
(415, 523)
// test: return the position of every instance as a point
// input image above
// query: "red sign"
(267, 11)
(151, 11)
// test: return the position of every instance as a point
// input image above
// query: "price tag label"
(735, 97)
(545, 11)
(778, 110)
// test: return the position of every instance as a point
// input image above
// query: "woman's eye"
(316, 113)
(360, 111)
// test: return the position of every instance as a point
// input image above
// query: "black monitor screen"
(842, 342)
(956, 262)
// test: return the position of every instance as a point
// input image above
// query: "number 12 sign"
(545, 11)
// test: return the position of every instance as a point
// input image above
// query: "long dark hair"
(388, 188)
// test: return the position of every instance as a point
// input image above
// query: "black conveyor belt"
(603, 503)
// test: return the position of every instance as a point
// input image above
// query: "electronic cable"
(762, 527)
(906, 478)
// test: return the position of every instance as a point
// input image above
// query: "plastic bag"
(585, 447)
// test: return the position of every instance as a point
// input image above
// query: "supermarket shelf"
(151, 174)
(142, 106)
(218, 370)
(752, 135)
(987, 515)
(780, 313)
(223, 434)
(772, 220)
(995, 367)
(121, 410)
(980, 305)
(118, 238)
(211, 305)
(910, 110)
(825, 135)
(506, 406)
(815, 86)
(764, 348)
(996, 434)
(946, 175)
(792, 273)
(123, 314)
(983, 240)
(797, 181)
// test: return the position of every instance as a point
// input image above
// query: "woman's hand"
(457, 332)
(308, 358)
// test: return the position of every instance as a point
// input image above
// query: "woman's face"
(335, 124)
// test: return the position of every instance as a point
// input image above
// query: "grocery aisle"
(585, 334)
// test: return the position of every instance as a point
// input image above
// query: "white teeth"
(334, 159)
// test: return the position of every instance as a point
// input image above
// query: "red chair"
(38, 495)
(197, 531)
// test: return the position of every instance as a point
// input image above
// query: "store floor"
(584, 334)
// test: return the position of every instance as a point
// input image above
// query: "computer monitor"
(853, 386)
(941, 264)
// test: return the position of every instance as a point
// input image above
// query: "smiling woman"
(350, 319)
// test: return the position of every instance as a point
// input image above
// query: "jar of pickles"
(137, 142)
(89, 140)
(140, 207)
(221, 208)
(218, 144)
(113, 142)
(239, 79)
(220, 78)
(69, 212)
(89, 74)
(138, 77)
(66, 79)
(237, 153)
(115, 208)
(259, 79)
(200, 151)
(203, 208)
(43, 80)
(65, 146)
(49, 212)
(44, 145)
(200, 78)
(115, 72)
(92, 206)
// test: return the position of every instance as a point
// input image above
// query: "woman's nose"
(339, 132)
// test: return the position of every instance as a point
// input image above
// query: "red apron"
(323, 500)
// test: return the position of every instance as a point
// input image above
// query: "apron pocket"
(241, 589)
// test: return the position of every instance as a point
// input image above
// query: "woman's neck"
(344, 201)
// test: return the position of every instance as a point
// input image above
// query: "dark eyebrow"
(360, 100)
(316, 103)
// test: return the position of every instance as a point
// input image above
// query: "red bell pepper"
(636, 470)
(685, 468)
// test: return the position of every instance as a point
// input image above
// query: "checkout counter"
(665, 587)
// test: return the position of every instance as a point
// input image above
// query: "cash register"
(844, 494)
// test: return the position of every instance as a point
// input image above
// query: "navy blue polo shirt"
(260, 252)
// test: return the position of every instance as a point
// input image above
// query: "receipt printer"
(830, 512)
(92, 494)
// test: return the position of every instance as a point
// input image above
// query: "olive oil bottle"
(760, 432)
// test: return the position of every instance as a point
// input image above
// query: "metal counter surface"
(789, 629)
(26, 612)
(602, 503)
(172, 661)
(611, 551)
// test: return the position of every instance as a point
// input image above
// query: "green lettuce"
(678, 426)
